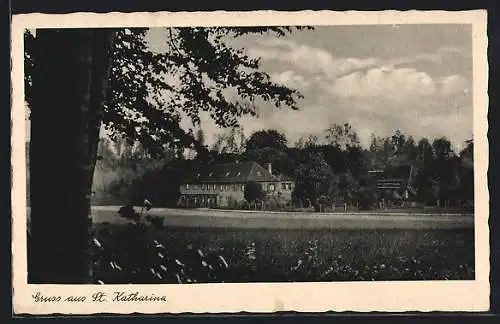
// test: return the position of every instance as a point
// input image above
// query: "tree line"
(327, 170)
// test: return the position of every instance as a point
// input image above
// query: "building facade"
(395, 182)
(221, 185)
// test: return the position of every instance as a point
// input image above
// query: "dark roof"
(229, 173)
(284, 177)
(397, 171)
(393, 175)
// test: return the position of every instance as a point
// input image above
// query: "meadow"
(140, 253)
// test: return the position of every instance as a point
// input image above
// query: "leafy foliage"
(342, 136)
(267, 138)
(313, 178)
(199, 72)
(119, 166)
(231, 141)
(253, 192)
(150, 92)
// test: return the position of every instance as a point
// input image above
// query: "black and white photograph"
(221, 154)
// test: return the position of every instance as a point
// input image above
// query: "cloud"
(309, 58)
(437, 57)
(397, 86)
(291, 79)
(388, 83)
(320, 61)
(384, 99)
(379, 100)
(454, 84)
(423, 95)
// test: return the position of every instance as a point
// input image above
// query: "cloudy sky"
(379, 78)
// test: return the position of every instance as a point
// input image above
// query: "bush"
(253, 191)
(367, 197)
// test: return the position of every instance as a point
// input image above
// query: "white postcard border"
(215, 298)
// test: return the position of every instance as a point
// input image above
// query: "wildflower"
(97, 243)
(223, 261)
(147, 204)
(299, 263)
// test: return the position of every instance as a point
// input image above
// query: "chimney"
(270, 168)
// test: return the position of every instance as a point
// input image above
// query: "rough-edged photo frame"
(319, 296)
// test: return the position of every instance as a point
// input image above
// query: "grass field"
(197, 246)
(293, 220)
(279, 255)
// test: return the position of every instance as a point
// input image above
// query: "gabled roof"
(230, 173)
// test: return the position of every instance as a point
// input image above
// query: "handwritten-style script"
(100, 297)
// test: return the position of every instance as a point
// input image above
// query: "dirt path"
(292, 220)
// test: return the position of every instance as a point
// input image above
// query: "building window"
(187, 186)
(202, 186)
(226, 187)
(271, 187)
(214, 186)
(238, 174)
(227, 174)
(221, 188)
(242, 187)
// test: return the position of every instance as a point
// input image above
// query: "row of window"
(227, 174)
(233, 187)
(222, 187)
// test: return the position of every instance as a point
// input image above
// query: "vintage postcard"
(223, 162)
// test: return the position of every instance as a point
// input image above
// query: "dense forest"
(328, 169)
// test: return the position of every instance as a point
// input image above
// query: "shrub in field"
(367, 198)
(253, 192)
(130, 255)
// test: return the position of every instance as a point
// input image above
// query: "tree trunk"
(69, 82)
